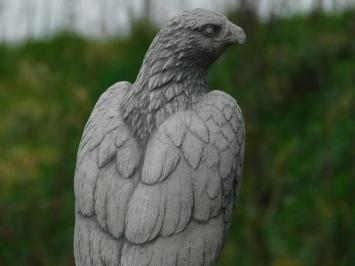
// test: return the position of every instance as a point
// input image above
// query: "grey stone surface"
(160, 161)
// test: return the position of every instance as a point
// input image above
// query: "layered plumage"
(160, 162)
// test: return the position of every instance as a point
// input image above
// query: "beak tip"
(243, 39)
(238, 34)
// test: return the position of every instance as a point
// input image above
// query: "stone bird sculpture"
(160, 161)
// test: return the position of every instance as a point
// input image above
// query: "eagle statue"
(160, 162)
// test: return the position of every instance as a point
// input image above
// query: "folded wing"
(105, 177)
(191, 173)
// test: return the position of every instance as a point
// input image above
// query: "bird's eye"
(210, 30)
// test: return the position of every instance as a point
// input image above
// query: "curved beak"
(235, 34)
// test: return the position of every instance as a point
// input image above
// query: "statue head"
(200, 35)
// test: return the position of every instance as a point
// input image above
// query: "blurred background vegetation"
(295, 82)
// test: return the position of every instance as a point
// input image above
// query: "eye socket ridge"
(210, 30)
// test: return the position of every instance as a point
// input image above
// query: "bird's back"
(166, 203)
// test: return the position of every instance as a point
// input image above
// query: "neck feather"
(167, 83)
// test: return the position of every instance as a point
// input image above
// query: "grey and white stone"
(160, 161)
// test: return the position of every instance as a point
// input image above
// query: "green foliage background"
(295, 82)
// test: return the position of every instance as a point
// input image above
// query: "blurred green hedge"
(295, 82)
